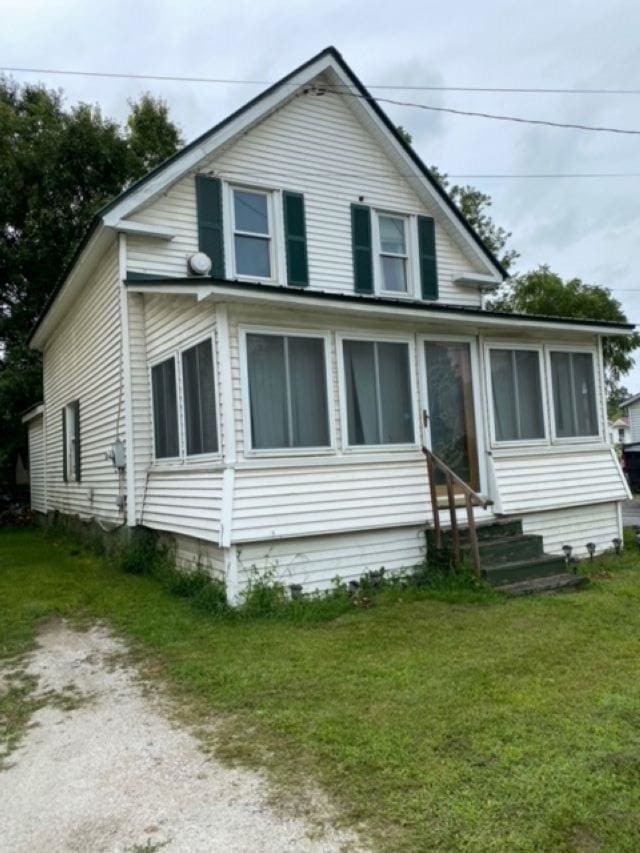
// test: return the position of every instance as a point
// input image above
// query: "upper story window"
(392, 235)
(516, 383)
(574, 394)
(252, 233)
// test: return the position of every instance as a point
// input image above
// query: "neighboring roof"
(199, 141)
(630, 401)
(621, 423)
(355, 298)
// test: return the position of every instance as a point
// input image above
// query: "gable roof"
(330, 60)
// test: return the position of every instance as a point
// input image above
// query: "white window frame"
(476, 390)
(182, 459)
(573, 439)
(511, 345)
(276, 230)
(411, 257)
(379, 337)
(275, 331)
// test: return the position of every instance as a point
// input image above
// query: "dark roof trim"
(385, 301)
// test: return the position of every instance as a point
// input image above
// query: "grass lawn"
(486, 725)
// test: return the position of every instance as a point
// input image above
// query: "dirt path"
(102, 768)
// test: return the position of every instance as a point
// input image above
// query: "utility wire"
(321, 90)
(533, 90)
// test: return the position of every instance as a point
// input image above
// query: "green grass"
(478, 725)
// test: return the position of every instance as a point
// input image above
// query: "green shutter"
(295, 239)
(76, 420)
(64, 445)
(361, 242)
(210, 235)
(428, 265)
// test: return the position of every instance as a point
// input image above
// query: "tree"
(59, 166)
(474, 206)
(615, 399)
(542, 291)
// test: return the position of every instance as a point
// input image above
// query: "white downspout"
(223, 339)
(127, 385)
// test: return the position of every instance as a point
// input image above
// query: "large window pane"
(287, 391)
(574, 394)
(395, 393)
(394, 274)
(362, 400)
(267, 391)
(199, 399)
(517, 394)
(378, 388)
(251, 212)
(308, 380)
(252, 256)
(165, 409)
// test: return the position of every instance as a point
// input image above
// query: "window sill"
(550, 449)
(357, 449)
(289, 453)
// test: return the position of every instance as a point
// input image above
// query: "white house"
(632, 409)
(253, 343)
(619, 431)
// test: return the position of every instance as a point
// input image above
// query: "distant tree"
(542, 291)
(474, 206)
(59, 166)
(615, 399)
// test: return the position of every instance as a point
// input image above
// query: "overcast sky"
(587, 227)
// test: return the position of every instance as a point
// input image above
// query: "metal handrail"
(471, 499)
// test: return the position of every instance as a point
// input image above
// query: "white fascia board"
(35, 412)
(140, 229)
(476, 321)
(482, 282)
(97, 244)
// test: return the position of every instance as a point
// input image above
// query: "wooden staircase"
(498, 551)
(510, 560)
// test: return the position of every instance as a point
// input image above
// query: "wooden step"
(498, 529)
(544, 565)
(508, 549)
(563, 582)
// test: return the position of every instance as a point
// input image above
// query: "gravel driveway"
(102, 768)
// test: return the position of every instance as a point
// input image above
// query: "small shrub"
(264, 596)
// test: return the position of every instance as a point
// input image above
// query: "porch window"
(288, 400)
(165, 409)
(574, 394)
(393, 253)
(199, 399)
(378, 391)
(517, 394)
(252, 233)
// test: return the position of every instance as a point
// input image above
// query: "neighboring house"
(632, 409)
(619, 431)
(269, 411)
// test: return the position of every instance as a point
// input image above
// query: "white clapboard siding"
(193, 554)
(332, 498)
(186, 502)
(553, 480)
(633, 413)
(142, 427)
(575, 526)
(83, 361)
(316, 561)
(36, 464)
(315, 146)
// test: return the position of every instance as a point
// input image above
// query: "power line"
(524, 90)
(321, 90)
